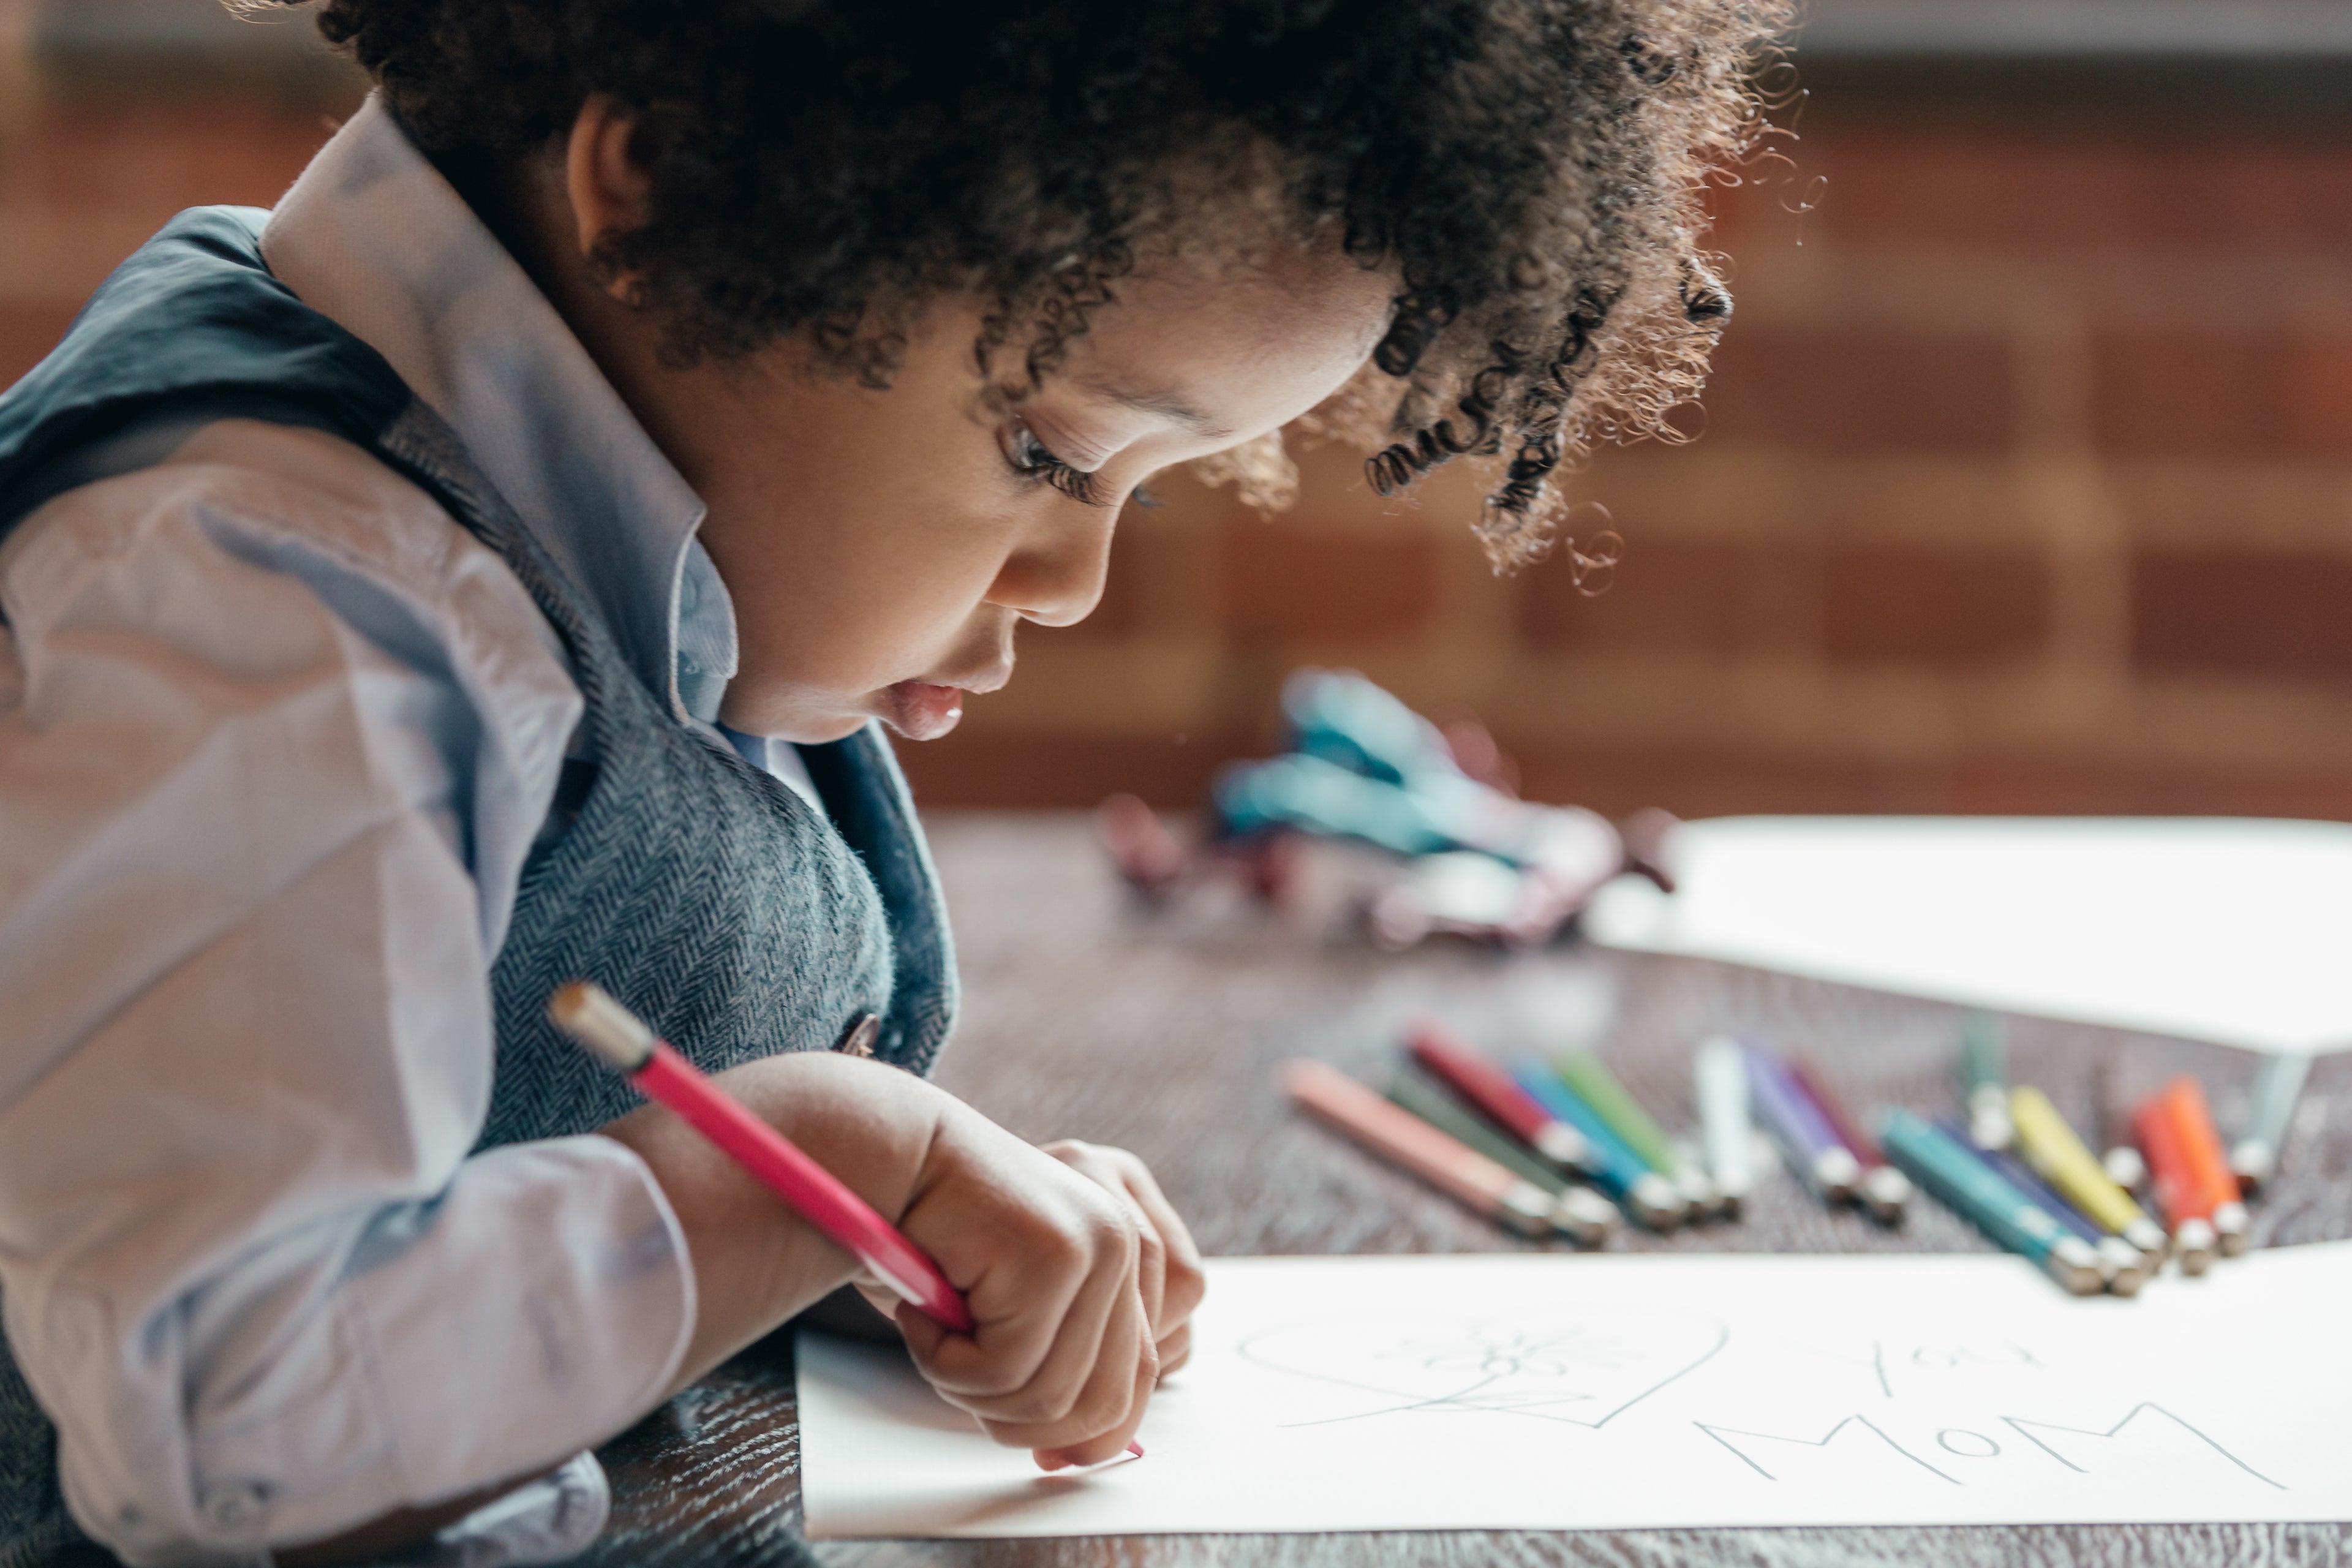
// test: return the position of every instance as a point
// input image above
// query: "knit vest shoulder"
(736, 919)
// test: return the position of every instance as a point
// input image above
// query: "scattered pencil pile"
(2020, 1174)
(1558, 1147)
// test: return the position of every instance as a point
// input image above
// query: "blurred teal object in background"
(1340, 715)
(1317, 797)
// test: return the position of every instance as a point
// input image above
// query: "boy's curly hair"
(1532, 171)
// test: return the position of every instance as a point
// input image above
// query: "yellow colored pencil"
(2063, 1160)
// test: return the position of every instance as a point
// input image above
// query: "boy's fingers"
(1173, 1281)
(1175, 1349)
(1110, 1445)
(999, 1357)
(1108, 1405)
(1059, 1381)
(1108, 1169)
(1150, 1262)
(922, 1335)
(1185, 1282)
(1021, 1310)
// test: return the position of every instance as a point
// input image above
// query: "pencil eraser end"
(588, 1013)
(2076, 1266)
(1655, 1201)
(1563, 1146)
(1887, 1193)
(2194, 1243)
(1584, 1216)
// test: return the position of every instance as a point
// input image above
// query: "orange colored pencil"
(1396, 1134)
(2209, 1164)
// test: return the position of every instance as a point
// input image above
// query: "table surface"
(1087, 1017)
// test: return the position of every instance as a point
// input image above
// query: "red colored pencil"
(1489, 1087)
(623, 1042)
(1883, 1189)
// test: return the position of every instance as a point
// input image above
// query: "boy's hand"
(1170, 1274)
(1076, 1269)
(1071, 1261)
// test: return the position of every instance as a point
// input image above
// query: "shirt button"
(857, 1040)
(235, 1509)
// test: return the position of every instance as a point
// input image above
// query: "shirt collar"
(372, 237)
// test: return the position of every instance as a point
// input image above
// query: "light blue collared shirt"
(276, 736)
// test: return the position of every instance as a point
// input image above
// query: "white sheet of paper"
(2229, 929)
(1560, 1391)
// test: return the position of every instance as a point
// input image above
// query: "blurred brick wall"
(2026, 485)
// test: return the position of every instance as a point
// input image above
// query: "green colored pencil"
(1590, 1082)
(1595, 1215)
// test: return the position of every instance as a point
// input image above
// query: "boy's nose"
(1056, 581)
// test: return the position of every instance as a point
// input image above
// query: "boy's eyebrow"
(1166, 405)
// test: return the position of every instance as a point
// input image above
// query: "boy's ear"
(610, 193)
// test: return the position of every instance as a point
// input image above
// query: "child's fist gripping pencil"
(1083, 1278)
(588, 1013)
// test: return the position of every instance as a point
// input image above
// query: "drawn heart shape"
(1582, 1367)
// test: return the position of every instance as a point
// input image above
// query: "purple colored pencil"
(1814, 1150)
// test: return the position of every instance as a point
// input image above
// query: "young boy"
(496, 564)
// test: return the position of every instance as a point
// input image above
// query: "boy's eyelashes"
(1034, 461)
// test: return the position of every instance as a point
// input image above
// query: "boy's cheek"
(872, 634)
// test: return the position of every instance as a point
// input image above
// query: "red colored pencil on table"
(622, 1041)
(1883, 1189)
(1489, 1087)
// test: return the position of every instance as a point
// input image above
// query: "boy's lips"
(922, 711)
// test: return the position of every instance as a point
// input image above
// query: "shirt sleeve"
(273, 737)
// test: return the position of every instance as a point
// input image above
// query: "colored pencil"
(1483, 1082)
(1648, 1196)
(1591, 1080)
(2122, 1266)
(1579, 1213)
(2174, 1184)
(1813, 1151)
(623, 1042)
(1451, 1167)
(2218, 1201)
(2255, 1158)
(1719, 1076)
(1984, 1080)
(1885, 1191)
(2009, 1217)
(2052, 1148)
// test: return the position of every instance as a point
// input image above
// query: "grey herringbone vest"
(711, 898)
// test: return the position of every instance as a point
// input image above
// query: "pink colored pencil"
(622, 1041)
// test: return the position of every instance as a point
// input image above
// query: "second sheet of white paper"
(1555, 1392)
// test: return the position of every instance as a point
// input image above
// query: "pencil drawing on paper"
(1584, 1373)
(1971, 1445)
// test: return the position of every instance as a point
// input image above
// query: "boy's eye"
(1030, 456)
